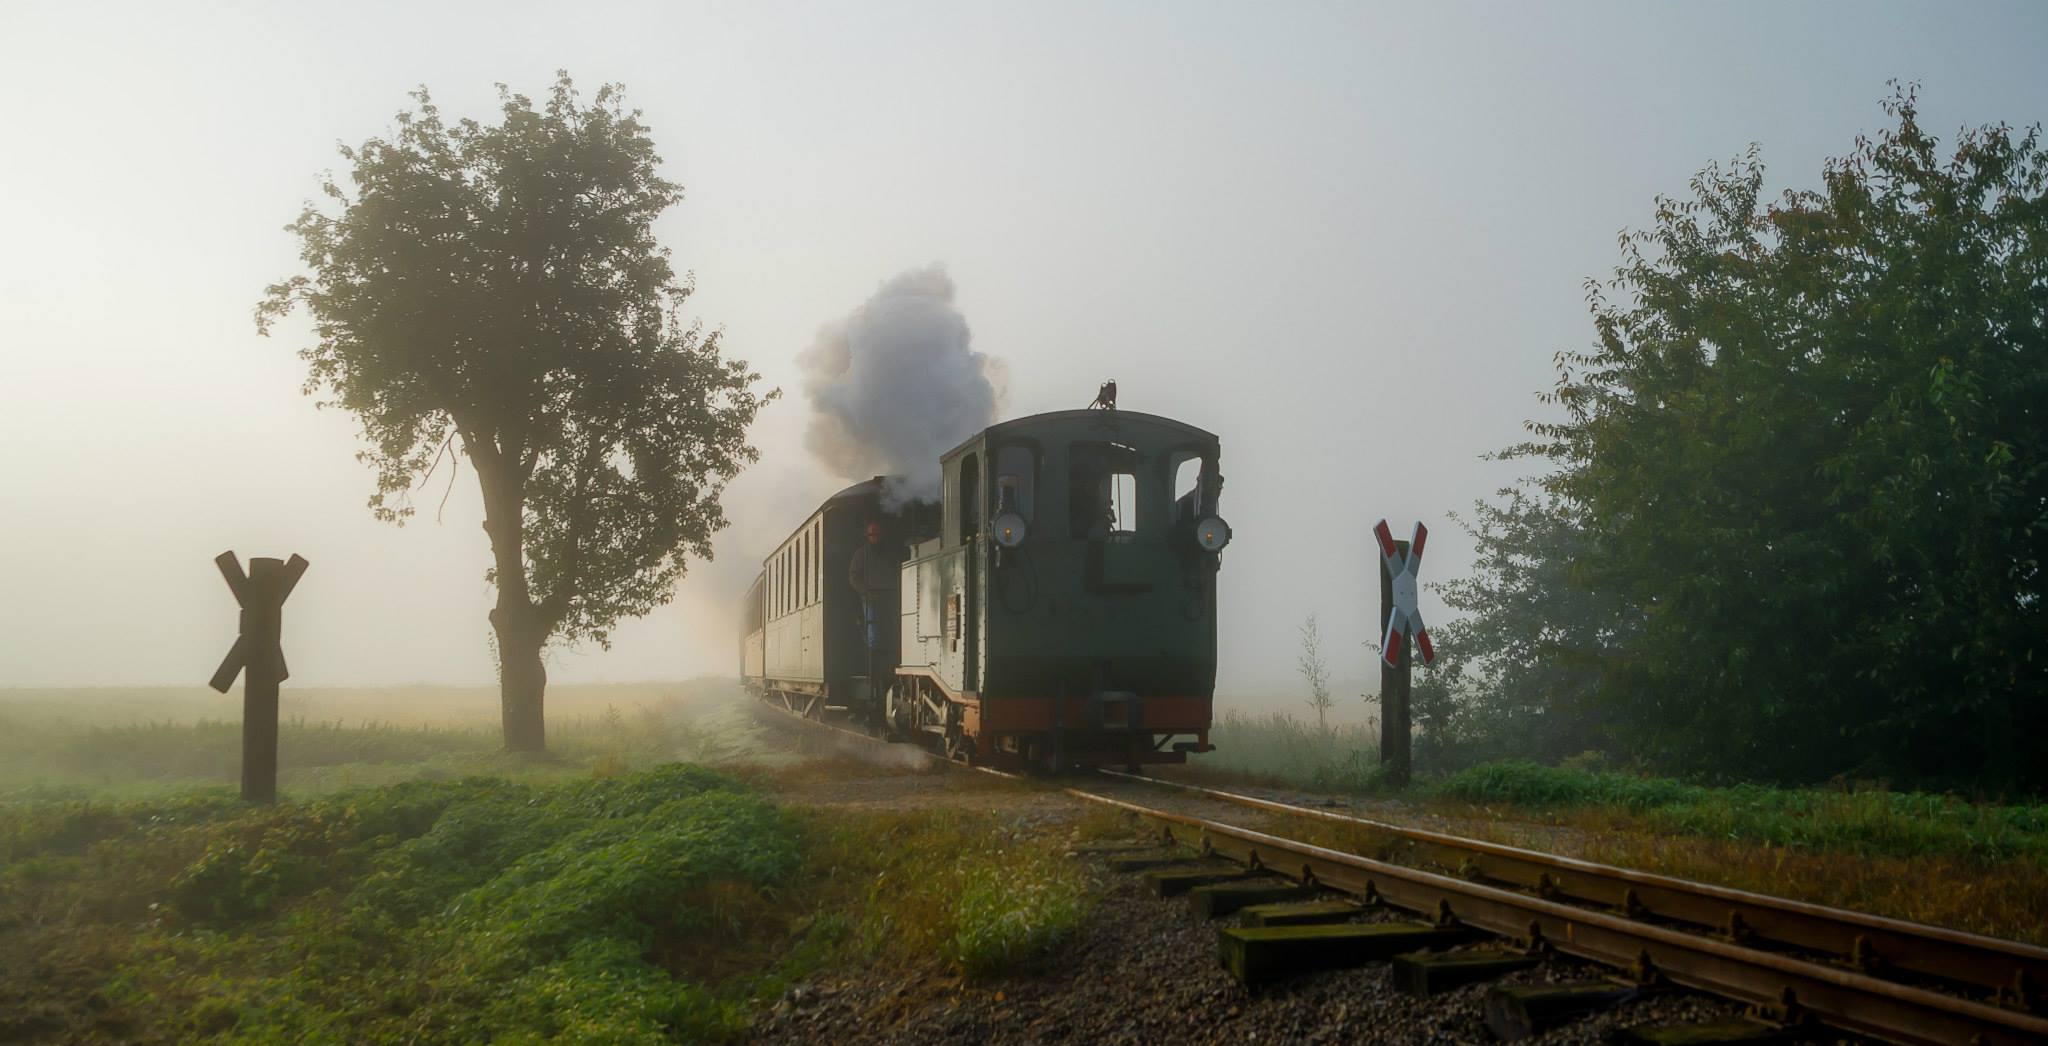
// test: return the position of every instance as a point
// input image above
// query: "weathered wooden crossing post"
(259, 655)
(1400, 620)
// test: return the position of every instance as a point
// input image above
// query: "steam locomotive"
(1055, 608)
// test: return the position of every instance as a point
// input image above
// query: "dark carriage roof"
(862, 489)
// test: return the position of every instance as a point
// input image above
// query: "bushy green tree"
(1519, 669)
(1804, 475)
(495, 292)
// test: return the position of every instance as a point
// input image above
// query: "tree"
(1519, 669)
(1316, 671)
(1804, 471)
(495, 292)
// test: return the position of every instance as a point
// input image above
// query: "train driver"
(873, 574)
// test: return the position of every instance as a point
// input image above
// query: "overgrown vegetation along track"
(1801, 960)
(2001, 970)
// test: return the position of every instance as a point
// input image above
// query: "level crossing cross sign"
(1405, 618)
(261, 594)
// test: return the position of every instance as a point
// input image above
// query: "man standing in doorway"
(873, 574)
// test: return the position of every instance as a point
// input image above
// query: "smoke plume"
(895, 384)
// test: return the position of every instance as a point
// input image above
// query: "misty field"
(132, 742)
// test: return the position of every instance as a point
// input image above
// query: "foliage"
(1869, 819)
(87, 760)
(1516, 671)
(944, 889)
(1012, 911)
(495, 292)
(1315, 671)
(1279, 747)
(430, 911)
(1856, 821)
(1799, 498)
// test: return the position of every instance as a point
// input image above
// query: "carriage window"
(1102, 490)
(1016, 480)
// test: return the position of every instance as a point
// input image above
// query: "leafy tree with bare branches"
(495, 292)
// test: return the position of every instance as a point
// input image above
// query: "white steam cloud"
(896, 384)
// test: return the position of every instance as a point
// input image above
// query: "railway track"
(1795, 962)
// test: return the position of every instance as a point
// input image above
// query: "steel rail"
(1873, 943)
(1837, 996)
(1840, 997)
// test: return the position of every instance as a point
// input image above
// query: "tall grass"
(1849, 820)
(76, 757)
(480, 910)
(1277, 748)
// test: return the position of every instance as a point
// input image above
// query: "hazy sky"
(1347, 238)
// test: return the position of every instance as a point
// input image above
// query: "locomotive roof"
(1032, 421)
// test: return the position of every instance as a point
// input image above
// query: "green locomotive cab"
(1065, 612)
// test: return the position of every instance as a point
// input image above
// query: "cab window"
(1188, 468)
(1102, 490)
(968, 507)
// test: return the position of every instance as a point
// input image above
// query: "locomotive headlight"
(1008, 529)
(1212, 533)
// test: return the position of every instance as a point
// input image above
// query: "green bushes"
(1008, 913)
(479, 910)
(943, 888)
(1278, 746)
(1867, 821)
(1530, 784)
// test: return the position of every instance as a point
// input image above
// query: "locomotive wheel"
(897, 715)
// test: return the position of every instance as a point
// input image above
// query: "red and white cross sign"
(1404, 619)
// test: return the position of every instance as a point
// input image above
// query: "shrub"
(1010, 914)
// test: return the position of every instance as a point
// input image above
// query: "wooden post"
(261, 622)
(259, 657)
(1394, 684)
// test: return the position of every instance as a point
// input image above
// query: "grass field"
(636, 884)
(135, 742)
(1971, 863)
(415, 884)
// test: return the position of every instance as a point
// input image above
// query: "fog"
(1348, 239)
